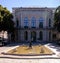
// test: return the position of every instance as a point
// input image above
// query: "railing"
(44, 28)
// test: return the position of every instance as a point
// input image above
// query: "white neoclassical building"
(34, 23)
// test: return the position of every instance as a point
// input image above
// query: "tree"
(57, 19)
(6, 22)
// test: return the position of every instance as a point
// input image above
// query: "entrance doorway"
(26, 35)
(40, 35)
(33, 35)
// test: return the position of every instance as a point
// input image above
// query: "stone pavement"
(54, 48)
(30, 59)
(4, 60)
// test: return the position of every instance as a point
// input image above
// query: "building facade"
(34, 24)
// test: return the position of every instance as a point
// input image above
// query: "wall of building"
(45, 13)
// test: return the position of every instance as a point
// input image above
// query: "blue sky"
(29, 3)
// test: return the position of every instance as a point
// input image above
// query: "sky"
(29, 3)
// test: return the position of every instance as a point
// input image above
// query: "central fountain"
(30, 50)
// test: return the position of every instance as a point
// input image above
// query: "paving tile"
(29, 60)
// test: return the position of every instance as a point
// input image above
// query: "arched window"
(26, 22)
(41, 22)
(33, 22)
(41, 35)
(49, 22)
(49, 35)
(26, 35)
(17, 23)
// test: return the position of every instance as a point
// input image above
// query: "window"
(41, 19)
(41, 23)
(25, 22)
(49, 22)
(49, 36)
(33, 22)
(17, 23)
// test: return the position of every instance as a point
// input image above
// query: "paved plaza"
(30, 59)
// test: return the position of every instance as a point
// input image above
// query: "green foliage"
(57, 19)
(6, 22)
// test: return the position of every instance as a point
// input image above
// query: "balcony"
(34, 28)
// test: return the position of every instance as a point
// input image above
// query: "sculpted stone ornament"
(30, 44)
(42, 50)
